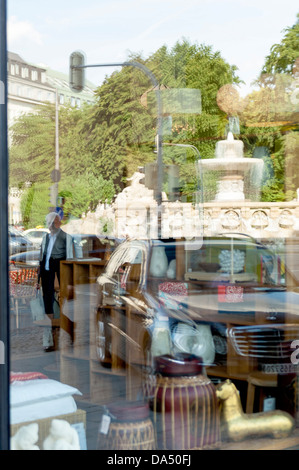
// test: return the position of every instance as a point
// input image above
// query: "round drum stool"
(184, 405)
(130, 428)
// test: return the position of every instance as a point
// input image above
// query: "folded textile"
(23, 376)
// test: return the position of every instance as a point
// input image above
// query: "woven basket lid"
(129, 410)
(180, 365)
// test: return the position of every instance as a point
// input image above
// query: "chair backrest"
(23, 282)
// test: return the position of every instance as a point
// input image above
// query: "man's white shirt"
(52, 239)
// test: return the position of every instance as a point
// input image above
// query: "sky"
(243, 31)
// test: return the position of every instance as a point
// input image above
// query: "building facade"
(31, 86)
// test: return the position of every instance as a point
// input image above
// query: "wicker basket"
(130, 428)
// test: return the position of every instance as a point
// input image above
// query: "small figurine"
(25, 438)
(62, 436)
(237, 425)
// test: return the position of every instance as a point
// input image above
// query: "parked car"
(18, 241)
(228, 293)
(36, 235)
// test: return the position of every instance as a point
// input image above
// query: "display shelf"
(223, 373)
(77, 303)
(218, 277)
(98, 368)
(71, 354)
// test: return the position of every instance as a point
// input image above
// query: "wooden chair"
(262, 381)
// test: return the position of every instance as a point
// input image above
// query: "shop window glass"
(169, 206)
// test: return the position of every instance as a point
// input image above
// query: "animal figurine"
(62, 436)
(25, 438)
(237, 425)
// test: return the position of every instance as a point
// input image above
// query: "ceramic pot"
(184, 405)
(159, 262)
(194, 339)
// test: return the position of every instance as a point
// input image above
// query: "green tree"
(271, 117)
(109, 140)
(122, 129)
(35, 204)
(84, 193)
(32, 153)
(283, 56)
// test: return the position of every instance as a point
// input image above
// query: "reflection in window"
(34, 75)
(25, 72)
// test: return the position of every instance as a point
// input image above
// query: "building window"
(61, 98)
(25, 72)
(51, 97)
(34, 75)
(73, 101)
(12, 69)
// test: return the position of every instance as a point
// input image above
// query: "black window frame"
(4, 298)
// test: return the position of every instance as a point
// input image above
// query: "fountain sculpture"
(233, 167)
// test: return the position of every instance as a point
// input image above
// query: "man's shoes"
(49, 349)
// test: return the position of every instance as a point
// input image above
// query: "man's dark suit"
(59, 252)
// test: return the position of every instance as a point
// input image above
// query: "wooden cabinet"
(78, 301)
(93, 349)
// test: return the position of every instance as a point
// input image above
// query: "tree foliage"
(102, 144)
(270, 117)
(284, 55)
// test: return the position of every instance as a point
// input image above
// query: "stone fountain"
(233, 167)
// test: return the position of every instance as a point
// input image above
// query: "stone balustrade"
(258, 219)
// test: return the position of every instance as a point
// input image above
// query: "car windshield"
(236, 261)
(222, 259)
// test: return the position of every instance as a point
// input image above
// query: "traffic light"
(53, 194)
(77, 75)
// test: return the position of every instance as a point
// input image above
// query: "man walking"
(56, 246)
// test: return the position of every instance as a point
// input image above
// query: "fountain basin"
(233, 167)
